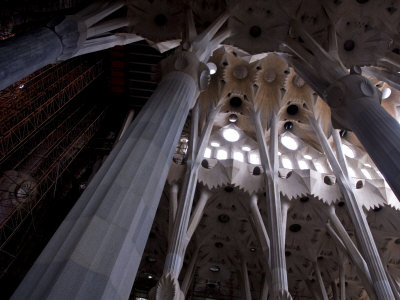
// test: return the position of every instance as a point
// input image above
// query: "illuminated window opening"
(207, 153)
(287, 163)
(319, 168)
(366, 173)
(289, 142)
(347, 151)
(222, 154)
(351, 172)
(254, 159)
(302, 165)
(238, 156)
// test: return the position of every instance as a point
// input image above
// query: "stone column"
(342, 281)
(197, 214)
(246, 282)
(355, 105)
(363, 233)
(190, 272)
(320, 281)
(173, 206)
(25, 54)
(261, 230)
(178, 240)
(280, 287)
(265, 288)
(96, 251)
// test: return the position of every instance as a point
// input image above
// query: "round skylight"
(231, 135)
(246, 148)
(386, 93)
(289, 142)
(215, 144)
(347, 151)
(212, 67)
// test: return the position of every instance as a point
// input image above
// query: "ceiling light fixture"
(246, 148)
(215, 144)
(306, 156)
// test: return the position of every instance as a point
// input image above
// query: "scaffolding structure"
(42, 131)
(26, 107)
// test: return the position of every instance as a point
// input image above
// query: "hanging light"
(306, 156)
(215, 144)
(246, 148)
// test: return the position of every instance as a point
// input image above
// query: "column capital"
(187, 62)
(350, 95)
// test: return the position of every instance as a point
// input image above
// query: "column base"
(167, 288)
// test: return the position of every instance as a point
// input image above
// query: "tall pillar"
(320, 281)
(246, 282)
(261, 230)
(96, 251)
(190, 271)
(355, 105)
(280, 286)
(363, 233)
(342, 281)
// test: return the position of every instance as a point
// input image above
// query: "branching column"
(178, 241)
(96, 251)
(362, 230)
(280, 288)
(61, 41)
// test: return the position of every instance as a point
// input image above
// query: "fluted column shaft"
(190, 272)
(280, 287)
(178, 240)
(23, 55)
(354, 103)
(96, 251)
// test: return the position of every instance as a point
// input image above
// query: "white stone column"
(173, 206)
(362, 230)
(265, 288)
(190, 272)
(280, 287)
(178, 242)
(261, 230)
(342, 281)
(197, 214)
(320, 281)
(246, 282)
(96, 251)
